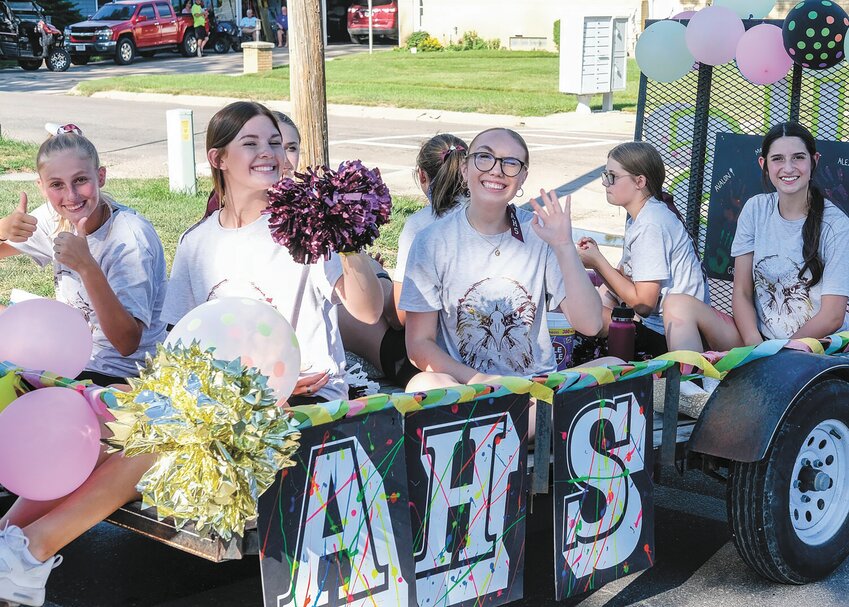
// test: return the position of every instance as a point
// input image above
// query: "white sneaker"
(20, 581)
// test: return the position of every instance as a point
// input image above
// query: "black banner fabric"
(737, 177)
(468, 497)
(603, 493)
(334, 529)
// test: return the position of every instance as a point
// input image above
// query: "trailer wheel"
(789, 512)
(30, 65)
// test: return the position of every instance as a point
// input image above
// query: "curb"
(601, 122)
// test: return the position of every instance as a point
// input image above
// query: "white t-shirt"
(415, 223)
(212, 262)
(658, 248)
(782, 301)
(129, 252)
(492, 309)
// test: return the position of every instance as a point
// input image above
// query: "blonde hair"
(73, 142)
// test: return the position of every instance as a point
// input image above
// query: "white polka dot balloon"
(239, 327)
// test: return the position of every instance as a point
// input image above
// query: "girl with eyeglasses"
(790, 262)
(107, 259)
(479, 282)
(109, 264)
(658, 256)
(438, 174)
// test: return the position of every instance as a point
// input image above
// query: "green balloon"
(662, 52)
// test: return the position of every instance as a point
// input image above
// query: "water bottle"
(621, 333)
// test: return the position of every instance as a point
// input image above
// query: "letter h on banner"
(468, 494)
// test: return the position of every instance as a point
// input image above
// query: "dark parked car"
(26, 36)
(384, 20)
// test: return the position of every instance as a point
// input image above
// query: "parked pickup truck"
(124, 28)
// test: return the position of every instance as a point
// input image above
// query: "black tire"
(125, 51)
(30, 65)
(221, 45)
(189, 45)
(237, 45)
(79, 59)
(777, 532)
(359, 39)
(59, 60)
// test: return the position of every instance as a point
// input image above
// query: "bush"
(557, 34)
(429, 44)
(416, 38)
(470, 41)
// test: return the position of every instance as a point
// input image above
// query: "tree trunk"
(306, 80)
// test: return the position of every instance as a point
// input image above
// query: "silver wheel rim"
(59, 61)
(126, 51)
(819, 489)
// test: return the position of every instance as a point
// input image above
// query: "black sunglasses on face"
(484, 161)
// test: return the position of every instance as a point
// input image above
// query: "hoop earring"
(521, 192)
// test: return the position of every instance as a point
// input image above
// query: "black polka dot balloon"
(813, 33)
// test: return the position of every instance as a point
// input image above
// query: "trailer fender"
(744, 413)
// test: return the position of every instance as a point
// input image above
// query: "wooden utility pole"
(307, 86)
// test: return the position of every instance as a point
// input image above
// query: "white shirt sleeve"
(422, 285)
(744, 237)
(649, 260)
(180, 298)
(835, 276)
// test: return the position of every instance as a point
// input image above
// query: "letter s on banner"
(603, 495)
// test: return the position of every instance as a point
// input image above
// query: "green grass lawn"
(170, 214)
(16, 156)
(497, 82)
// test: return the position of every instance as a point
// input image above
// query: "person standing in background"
(199, 14)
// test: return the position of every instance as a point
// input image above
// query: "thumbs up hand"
(72, 250)
(18, 226)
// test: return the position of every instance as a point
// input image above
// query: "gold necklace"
(496, 248)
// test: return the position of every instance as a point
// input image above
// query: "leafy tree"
(61, 12)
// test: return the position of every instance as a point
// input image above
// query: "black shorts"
(648, 343)
(303, 399)
(397, 368)
(101, 379)
(200, 32)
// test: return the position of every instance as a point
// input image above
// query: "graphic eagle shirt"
(492, 308)
(783, 301)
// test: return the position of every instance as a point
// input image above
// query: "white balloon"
(240, 327)
(662, 52)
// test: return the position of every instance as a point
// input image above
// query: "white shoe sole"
(14, 595)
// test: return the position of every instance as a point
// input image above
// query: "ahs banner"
(468, 495)
(603, 496)
(334, 529)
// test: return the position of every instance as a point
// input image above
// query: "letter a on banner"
(467, 469)
(334, 529)
(603, 497)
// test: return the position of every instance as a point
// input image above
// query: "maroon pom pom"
(323, 210)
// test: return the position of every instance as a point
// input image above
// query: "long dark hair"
(440, 158)
(812, 228)
(223, 128)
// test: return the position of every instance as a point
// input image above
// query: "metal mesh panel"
(682, 119)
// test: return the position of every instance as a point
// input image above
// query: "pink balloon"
(45, 334)
(713, 34)
(684, 15)
(761, 56)
(49, 443)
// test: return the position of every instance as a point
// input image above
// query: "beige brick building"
(528, 24)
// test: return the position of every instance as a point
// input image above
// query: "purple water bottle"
(621, 333)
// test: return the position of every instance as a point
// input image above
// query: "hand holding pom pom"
(325, 210)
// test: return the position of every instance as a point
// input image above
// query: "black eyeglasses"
(484, 161)
(608, 178)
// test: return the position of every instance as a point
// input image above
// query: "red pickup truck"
(124, 28)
